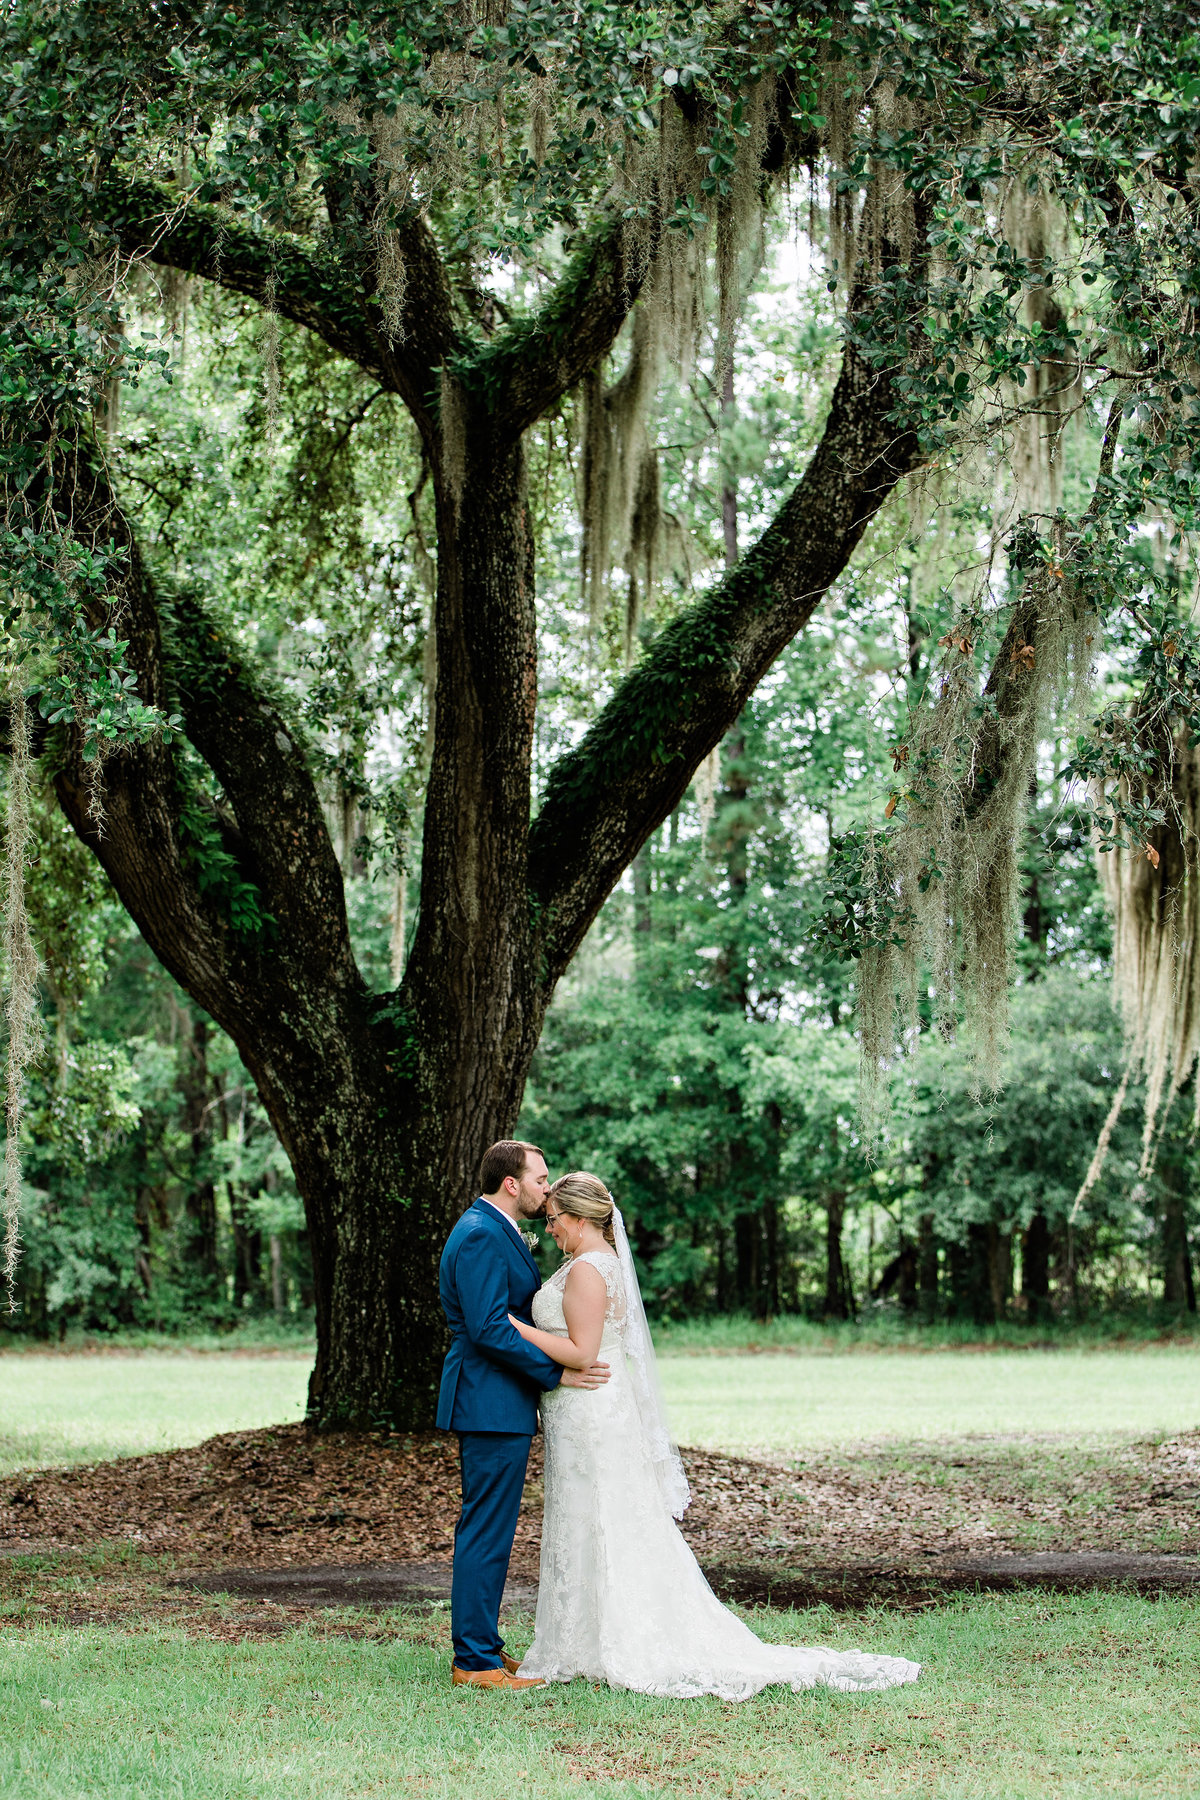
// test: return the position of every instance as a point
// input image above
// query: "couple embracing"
(621, 1598)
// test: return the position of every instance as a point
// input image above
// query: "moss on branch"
(526, 368)
(154, 220)
(604, 798)
(328, 295)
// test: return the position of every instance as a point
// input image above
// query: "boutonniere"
(531, 1238)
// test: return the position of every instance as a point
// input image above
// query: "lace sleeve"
(606, 1264)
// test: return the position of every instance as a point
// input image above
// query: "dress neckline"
(568, 1262)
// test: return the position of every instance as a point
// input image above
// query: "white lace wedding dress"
(622, 1599)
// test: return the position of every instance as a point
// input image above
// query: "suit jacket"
(491, 1376)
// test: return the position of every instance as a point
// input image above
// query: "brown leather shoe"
(492, 1678)
(524, 1681)
(511, 1663)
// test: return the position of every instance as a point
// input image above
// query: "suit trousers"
(493, 1474)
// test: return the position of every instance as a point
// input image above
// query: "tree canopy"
(501, 239)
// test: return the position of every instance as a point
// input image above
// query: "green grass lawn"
(1020, 1699)
(889, 1329)
(780, 1403)
(57, 1408)
(1024, 1697)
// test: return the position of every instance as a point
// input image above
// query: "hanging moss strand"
(21, 1000)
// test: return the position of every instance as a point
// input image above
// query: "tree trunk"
(909, 1274)
(142, 1262)
(1069, 1259)
(1035, 1269)
(201, 1199)
(733, 980)
(772, 1233)
(247, 1250)
(901, 1273)
(1034, 921)
(304, 1274)
(970, 1284)
(1178, 1284)
(275, 1249)
(729, 496)
(747, 1242)
(927, 1269)
(392, 1156)
(771, 1281)
(642, 915)
(839, 1295)
(999, 1269)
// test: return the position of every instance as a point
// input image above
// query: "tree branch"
(243, 737)
(138, 841)
(604, 799)
(528, 367)
(327, 295)
(282, 842)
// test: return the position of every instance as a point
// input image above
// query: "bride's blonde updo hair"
(583, 1196)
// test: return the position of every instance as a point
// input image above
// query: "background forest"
(701, 1054)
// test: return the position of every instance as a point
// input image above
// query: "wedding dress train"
(622, 1599)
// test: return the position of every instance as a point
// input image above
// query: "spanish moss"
(22, 964)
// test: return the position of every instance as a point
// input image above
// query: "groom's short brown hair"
(502, 1160)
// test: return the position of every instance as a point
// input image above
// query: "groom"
(489, 1391)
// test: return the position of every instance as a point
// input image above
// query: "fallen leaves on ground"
(268, 1498)
(287, 1496)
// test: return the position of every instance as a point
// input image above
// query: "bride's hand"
(595, 1377)
(524, 1329)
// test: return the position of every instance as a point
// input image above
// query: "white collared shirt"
(508, 1219)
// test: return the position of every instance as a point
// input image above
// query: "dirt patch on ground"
(852, 1587)
(858, 1587)
(372, 1519)
(353, 1584)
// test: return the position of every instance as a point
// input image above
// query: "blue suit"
(490, 1383)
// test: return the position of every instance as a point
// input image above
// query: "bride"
(622, 1599)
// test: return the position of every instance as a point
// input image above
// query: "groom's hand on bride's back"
(593, 1377)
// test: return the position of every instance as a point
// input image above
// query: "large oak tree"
(356, 174)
